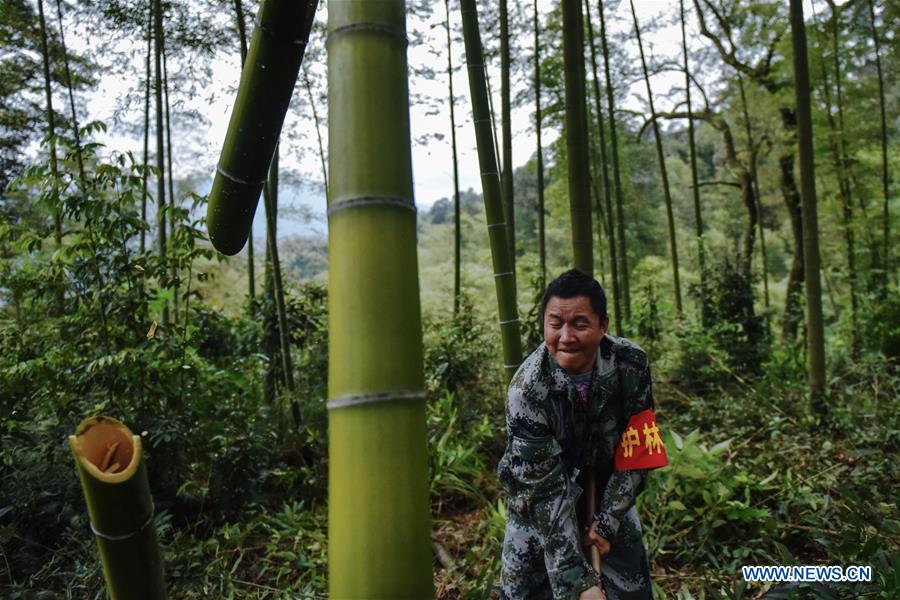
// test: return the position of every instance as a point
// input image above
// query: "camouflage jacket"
(551, 438)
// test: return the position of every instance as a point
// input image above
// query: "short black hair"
(575, 283)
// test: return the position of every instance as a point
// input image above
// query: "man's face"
(572, 332)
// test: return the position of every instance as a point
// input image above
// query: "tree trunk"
(377, 472)
(506, 172)
(751, 143)
(607, 192)
(457, 246)
(673, 245)
(617, 177)
(276, 50)
(695, 180)
(815, 332)
(576, 137)
(504, 277)
(542, 242)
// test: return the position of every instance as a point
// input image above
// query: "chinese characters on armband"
(641, 446)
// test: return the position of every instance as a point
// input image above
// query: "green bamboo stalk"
(267, 81)
(542, 241)
(811, 260)
(113, 478)
(885, 174)
(617, 175)
(378, 473)
(838, 156)
(457, 237)
(576, 137)
(607, 191)
(312, 104)
(51, 127)
(670, 217)
(504, 277)
(69, 85)
(242, 38)
(507, 168)
(173, 267)
(160, 147)
(146, 157)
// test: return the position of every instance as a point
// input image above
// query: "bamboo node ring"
(119, 538)
(395, 201)
(508, 321)
(378, 397)
(497, 224)
(386, 30)
(228, 175)
(503, 274)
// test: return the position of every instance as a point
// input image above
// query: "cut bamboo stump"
(117, 493)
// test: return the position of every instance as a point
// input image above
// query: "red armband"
(641, 446)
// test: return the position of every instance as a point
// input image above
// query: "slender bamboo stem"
(507, 168)
(70, 86)
(160, 144)
(607, 191)
(542, 241)
(885, 174)
(51, 127)
(695, 181)
(146, 156)
(576, 137)
(457, 245)
(617, 177)
(251, 263)
(173, 267)
(660, 154)
(312, 104)
(504, 277)
(815, 333)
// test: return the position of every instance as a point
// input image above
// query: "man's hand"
(593, 593)
(596, 540)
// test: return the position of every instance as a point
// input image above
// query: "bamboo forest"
(272, 293)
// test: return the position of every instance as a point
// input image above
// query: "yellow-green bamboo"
(267, 82)
(378, 506)
(114, 480)
(504, 276)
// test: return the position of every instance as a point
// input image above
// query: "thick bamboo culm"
(267, 82)
(114, 480)
(379, 524)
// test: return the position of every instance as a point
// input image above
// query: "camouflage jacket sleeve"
(623, 487)
(532, 473)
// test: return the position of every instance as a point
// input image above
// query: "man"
(580, 403)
